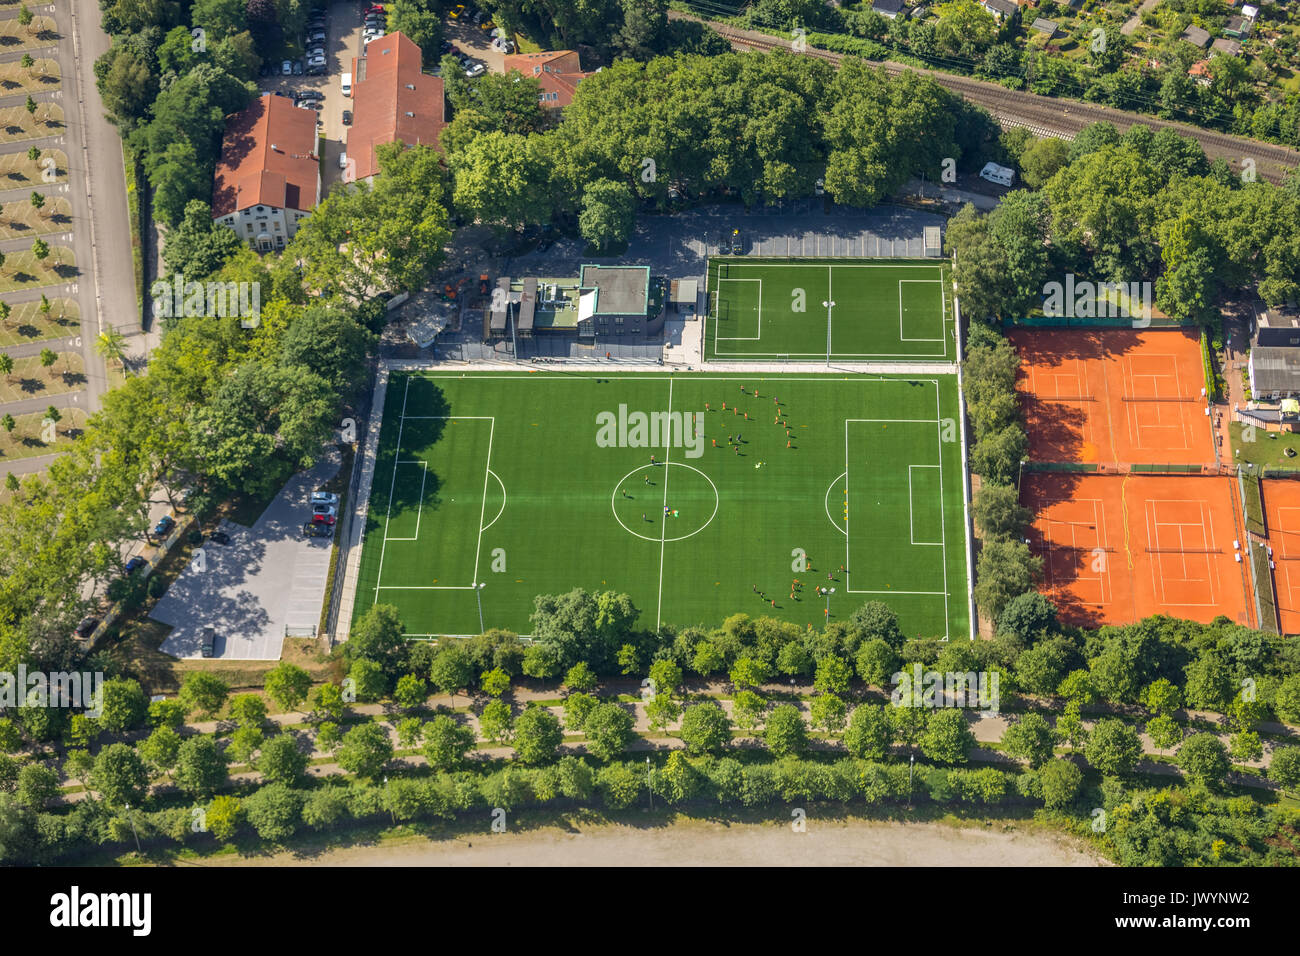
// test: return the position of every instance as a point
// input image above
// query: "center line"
(663, 521)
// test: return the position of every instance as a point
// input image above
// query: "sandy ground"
(697, 843)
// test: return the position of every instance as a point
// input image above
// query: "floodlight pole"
(478, 596)
(829, 305)
(829, 592)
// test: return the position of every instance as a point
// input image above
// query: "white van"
(1002, 175)
(347, 84)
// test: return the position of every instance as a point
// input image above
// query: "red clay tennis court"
(1111, 396)
(1118, 548)
(1282, 520)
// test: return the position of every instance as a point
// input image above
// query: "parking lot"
(267, 578)
(343, 42)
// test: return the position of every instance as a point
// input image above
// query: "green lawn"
(556, 472)
(883, 309)
(1268, 448)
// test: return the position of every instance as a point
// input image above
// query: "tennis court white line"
(943, 531)
(388, 515)
(663, 524)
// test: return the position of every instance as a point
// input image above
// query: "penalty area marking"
(838, 527)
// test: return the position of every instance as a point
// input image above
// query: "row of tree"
(1151, 78)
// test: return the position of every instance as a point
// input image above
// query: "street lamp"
(649, 789)
(131, 820)
(478, 596)
(828, 592)
(388, 799)
(829, 304)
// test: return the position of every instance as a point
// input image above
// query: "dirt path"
(704, 843)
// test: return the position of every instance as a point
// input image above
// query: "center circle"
(691, 493)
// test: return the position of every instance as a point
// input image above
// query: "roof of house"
(1199, 68)
(887, 6)
(1196, 35)
(1237, 26)
(1275, 369)
(267, 158)
(558, 71)
(394, 100)
(1004, 7)
(1045, 26)
(620, 290)
(1229, 47)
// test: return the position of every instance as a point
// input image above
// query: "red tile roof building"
(268, 177)
(558, 71)
(395, 100)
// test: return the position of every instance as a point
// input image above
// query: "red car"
(375, 8)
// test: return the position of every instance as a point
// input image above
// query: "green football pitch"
(883, 310)
(527, 484)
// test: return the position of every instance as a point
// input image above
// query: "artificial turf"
(870, 482)
(883, 310)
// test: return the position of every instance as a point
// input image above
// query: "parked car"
(503, 45)
(309, 95)
(135, 564)
(457, 11)
(315, 69)
(298, 67)
(343, 160)
(487, 25)
(316, 36)
(323, 512)
(737, 243)
(86, 627)
(208, 647)
(347, 117)
(313, 530)
(219, 537)
(282, 93)
(325, 498)
(446, 47)
(375, 8)
(474, 68)
(286, 68)
(164, 526)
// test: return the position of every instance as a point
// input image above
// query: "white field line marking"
(663, 522)
(419, 504)
(482, 513)
(759, 315)
(388, 515)
(942, 321)
(911, 505)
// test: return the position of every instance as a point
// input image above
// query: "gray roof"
(1275, 369)
(620, 290)
(1197, 36)
(1004, 7)
(1045, 26)
(1226, 46)
(887, 6)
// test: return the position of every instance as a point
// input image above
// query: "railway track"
(1044, 115)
